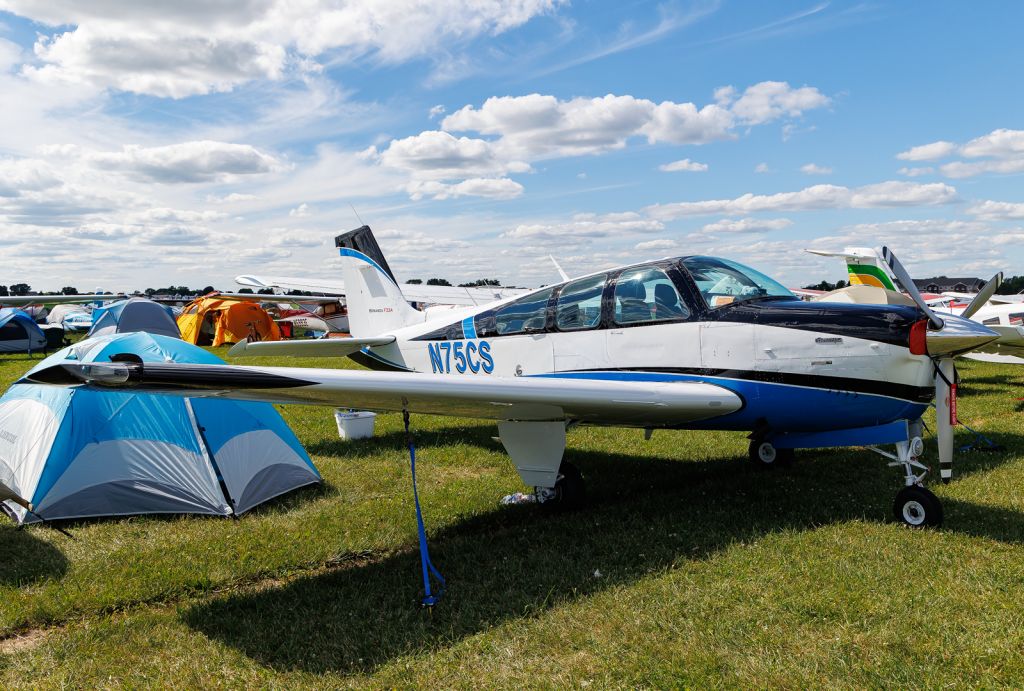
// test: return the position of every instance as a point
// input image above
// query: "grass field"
(688, 568)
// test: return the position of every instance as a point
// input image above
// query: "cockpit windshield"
(722, 282)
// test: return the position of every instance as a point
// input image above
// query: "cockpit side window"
(526, 315)
(578, 306)
(647, 294)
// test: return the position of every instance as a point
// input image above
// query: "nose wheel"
(763, 454)
(917, 507)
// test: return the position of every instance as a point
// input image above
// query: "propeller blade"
(945, 414)
(908, 285)
(984, 295)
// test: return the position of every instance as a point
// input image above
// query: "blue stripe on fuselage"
(468, 327)
(785, 407)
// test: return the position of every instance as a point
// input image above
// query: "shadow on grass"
(25, 559)
(645, 515)
(475, 435)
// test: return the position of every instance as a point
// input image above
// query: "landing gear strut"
(915, 506)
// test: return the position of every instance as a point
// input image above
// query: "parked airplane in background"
(25, 300)
(685, 343)
(413, 292)
(872, 282)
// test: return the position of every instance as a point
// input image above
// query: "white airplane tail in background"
(376, 304)
(864, 266)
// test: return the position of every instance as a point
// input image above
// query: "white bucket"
(354, 424)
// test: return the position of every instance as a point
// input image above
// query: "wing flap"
(318, 347)
(609, 402)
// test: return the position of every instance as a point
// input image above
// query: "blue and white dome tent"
(134, 314)
(75, 453)
(19, 333)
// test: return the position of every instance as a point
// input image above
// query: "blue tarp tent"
(134, 314)
(19, 333)
(73, 452)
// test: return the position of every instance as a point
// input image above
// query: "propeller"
(945, 370)
(983, 296)
(908, 286)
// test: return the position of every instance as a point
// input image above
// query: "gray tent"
(133, 315)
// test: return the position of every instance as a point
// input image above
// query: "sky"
(146, 144)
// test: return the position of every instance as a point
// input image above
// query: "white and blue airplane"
(680, 343)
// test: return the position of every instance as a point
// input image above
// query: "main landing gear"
(915, 505)
(569, 492)
(764, 455)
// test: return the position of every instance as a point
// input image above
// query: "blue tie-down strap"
(428, 566)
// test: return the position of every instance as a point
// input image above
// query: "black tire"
(570, 489)
(917, 507)
(764, 455)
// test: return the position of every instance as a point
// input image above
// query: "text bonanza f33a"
(684, 343)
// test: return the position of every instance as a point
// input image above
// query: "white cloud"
(747, 225)
(663, 244)
(916, 172)
(300, 211)
(25, 175)
(439, 156)
(762, 168)
(1000, 143)
(963, 169)
(997, 211)
(815, 169)
(884, 194)
(683, 165)
(232, 198)
(492, 188)
(190, 48)
(198, 161)
(927, 152)
(585, 226)
(769, 101)
(539, 126)
(1000, 151)
(436, 111)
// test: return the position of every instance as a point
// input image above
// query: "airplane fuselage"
(797, 366)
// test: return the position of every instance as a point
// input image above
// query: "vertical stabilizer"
(375, 302)
(864, 266)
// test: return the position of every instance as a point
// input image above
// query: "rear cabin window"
(991, 321)
(526, 315)
(647, 295)
(1017, 319)
(579, 304)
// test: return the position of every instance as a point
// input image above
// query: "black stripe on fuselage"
(906, 392)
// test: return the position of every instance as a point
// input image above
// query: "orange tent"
(216, 321)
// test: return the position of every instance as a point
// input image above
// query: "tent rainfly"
(216, 321)
(76, 452)
(19, 333)
(134, 314)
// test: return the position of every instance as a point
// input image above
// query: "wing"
(454, 295)
(616, 403)
(21, 300)
(413, 292)
(1010, 342)
(316, 347)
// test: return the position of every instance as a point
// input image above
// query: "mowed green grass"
(687, 568)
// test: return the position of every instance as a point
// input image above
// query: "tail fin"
(864, 266)
(375, 302)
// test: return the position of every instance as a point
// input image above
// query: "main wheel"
(917, 507)
(570, 489)
(764, 454)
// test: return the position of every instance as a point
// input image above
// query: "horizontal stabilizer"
(318, 347)
(608, 402)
